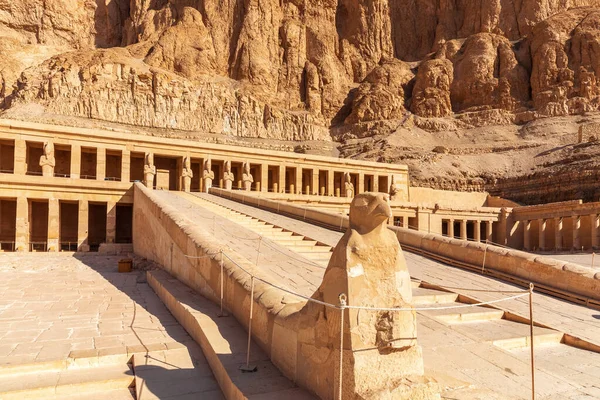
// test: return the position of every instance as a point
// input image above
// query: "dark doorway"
(38, 225)
(124, 224)
(96, 225)
(8, 224)
(69, 221)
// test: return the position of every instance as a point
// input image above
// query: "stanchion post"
(531, 341)
(593, 255)
(248, 367)
(343, 298)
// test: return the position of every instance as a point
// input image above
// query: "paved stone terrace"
(53, 305)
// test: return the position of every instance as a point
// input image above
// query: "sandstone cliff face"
(294, 69)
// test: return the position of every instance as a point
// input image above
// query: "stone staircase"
(310, 249)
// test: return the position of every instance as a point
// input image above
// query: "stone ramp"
(224, 343)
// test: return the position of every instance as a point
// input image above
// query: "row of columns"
(22, 233)
(559, 232)
(476, 230)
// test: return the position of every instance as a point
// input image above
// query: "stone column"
(82, 226)
(53, 225)
(330, 183)
(526, 235)
(405, 222)
(298, 184)
(542, 234)
(489, 232)
(576, 232)
(451, 228)
(22, 225)
(376, 184)
(126, 166)
(100, 163)
(558, 233)
(463, 229)
(75, 161)
(264, 178)
(281, 187)
(111, 221)
(361, 184)
(595, 224)
(477, 230)
(20, 157)
(315, 182)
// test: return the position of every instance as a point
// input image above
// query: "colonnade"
(478, 234)
(567, 233)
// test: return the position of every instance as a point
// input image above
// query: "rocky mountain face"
(302, 70)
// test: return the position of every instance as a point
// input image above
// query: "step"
(422, 296)
(115, 394)
(56, 384)
(316, 256)
(507, 334)
(223, 342)
(298, 243)
(469, 314)
(311, 249)
(172, 373)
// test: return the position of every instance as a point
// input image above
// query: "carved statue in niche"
(228, 176)
(349, 186)
(247, 177)
(149, 170)
(395, 189)
(208, 175)
(187, 174)
(47, 160)
(369, 268)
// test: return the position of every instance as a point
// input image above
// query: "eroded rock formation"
(294, 70)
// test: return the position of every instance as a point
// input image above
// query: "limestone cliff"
(302, 69)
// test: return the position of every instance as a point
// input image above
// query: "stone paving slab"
(55, 305)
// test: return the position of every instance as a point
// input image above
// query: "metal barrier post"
(484, 254)
(531, 340)
(248, 367)
(343, 300)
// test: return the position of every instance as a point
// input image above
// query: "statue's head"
(369, 210)
(149, 159)
(347, 177)
(208, 164)
(48, 148)
(228, 166)
(187, 163)
(247, 167)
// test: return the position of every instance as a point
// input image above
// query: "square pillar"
(477, 230)
(361, 184)
(595, 224)
(100, 163)
(264, 178)
(126, 166)
(527, 235)
(451, 228)
(22, 225)
(489, 232)
(20, 157)
(82, 226)
(53, 225)
(376, 183)
(111, 221)
(558, 233)
(298, 184)
(75, 161)
(542, 234)
(330, 183)
(577, 232)
(463, 229)
(405, 222)
(281, 187)
(315, 182)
